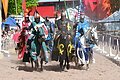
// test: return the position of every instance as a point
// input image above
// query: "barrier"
(109, 45)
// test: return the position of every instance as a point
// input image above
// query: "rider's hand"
(43, 37)
(34, 53)
(26, 51)
(69, 36)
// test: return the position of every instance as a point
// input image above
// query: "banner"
(5, 6)
(24, 5)
(106, 6)
(97, 9)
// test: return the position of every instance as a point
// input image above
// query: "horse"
(38, 48)
(62, 49)
(83, 51)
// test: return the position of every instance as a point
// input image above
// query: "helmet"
(36, 14)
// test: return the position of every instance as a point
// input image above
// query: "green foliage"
(12, 6)
(31, 3)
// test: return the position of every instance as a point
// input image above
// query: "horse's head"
(94, 31)
(92, 35)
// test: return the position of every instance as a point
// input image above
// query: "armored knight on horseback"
(62, 42)
(23, 37)
(84, 42)
(36, 42)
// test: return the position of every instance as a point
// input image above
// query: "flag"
(97, 9)
(93, 4)
(24, 5)
(5, 6)
(106, 6)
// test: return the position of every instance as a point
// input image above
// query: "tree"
(12, 7)
(31, 3)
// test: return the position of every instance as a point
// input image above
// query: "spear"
(66, 8)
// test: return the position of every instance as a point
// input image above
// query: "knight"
(38, 46)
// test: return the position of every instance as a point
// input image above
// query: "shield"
(44, 28)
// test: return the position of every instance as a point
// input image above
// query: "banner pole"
(66, 9)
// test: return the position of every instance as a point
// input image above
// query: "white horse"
(84, 48)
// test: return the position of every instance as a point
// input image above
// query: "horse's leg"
(88, 56)
(61, 64)
(36, 64)
(31, 60)
(74, 60)
(41, 62)
(74, 57)
(91, 56)
(64, 64)
(67, 60)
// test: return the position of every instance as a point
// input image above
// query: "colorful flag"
(5, 6)
(93, 4)
(97, 9)
(106, 6)
(24, 5)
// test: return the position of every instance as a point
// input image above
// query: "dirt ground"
(12, 69)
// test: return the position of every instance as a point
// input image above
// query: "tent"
(115, 17)
(10, 21)
(112, 22)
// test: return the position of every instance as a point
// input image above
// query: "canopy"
(115, 17)
(43, 11)
(97, 9)
(10, 21)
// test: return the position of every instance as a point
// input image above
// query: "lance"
(66, 9)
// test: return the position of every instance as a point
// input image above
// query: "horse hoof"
(87, 67)
(82, 65)
(41, 69)
(46, 62)
(61, 69)
(35, 69)
(68, 66)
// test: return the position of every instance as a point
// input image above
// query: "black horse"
(37, 50)
(62, 49)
